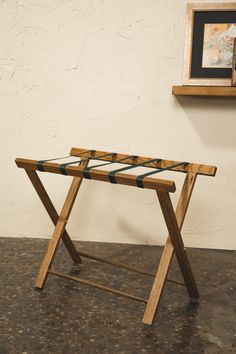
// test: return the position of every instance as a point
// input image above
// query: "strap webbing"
(139, 179)
(62, 167)
(111, 175)
(86, 170)
(40, 163)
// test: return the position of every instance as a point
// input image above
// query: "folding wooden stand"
(174, 220)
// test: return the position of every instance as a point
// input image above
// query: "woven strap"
(111, 175)
(40, 163)
(86, 170)
(139, 179)
(63, 165)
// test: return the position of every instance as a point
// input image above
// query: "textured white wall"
(98, 74)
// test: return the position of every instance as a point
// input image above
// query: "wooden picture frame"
(208, 44)
(233, 83)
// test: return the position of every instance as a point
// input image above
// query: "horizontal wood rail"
(95, 285)
(226, 91)
(200, 169)
(100, 175)
(125, 266)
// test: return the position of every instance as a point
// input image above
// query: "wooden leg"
(59, 230)
(177, 242)
(164, 265)
(43, 195)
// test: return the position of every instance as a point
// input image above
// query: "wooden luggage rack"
(79, 169)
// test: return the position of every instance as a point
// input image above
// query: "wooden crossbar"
(201, 169)
(99, 175)
(125, 266)
(174, 220)
(98, 286)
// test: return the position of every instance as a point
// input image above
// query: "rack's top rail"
(207, 170)
(100, 175)
(118, 175)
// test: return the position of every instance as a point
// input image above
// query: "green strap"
(62, 167)
(111, 175)
(139, 179)
(40, 163)
(86, 170)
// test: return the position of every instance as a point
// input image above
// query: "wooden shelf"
(204, 90)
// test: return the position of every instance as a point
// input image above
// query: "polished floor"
(67, 317)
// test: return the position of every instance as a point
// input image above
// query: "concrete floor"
(67, 317)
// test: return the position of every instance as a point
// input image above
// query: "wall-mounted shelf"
(204, 90)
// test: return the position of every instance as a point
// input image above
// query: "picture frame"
(233, 82)
(209, 36)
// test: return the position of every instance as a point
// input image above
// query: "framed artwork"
(209, 43)
(234, 65)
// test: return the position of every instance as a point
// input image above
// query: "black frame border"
(199, 19)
